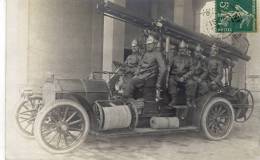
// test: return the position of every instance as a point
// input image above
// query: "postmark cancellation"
(235, 15)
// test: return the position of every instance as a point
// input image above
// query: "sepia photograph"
(132, 79)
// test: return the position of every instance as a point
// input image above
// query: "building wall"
(113, 41)
(61, 38)
(16, 42)
(142, 8)
(184, 13)
(181, 12)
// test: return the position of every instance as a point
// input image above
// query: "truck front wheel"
(62, 127)
(217, 119)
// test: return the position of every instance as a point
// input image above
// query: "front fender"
(86, 105)
(201, 104)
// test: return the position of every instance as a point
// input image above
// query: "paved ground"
(242, 144)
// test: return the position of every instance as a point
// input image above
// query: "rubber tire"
(46, 110)
(204, 116)
(21, 102)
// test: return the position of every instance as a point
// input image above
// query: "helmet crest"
(214, 47)
(150, 39)
(214, 50)
(134, 43)
(198, 48)
(183, 45)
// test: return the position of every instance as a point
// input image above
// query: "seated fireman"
(215, 69)
(200, 71)
(151, 68)
(131, 63)
(180, 75)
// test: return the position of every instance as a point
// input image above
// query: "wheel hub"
(62, 127)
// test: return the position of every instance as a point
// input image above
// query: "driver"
(132, 61)
(152, 66)
(130, 65)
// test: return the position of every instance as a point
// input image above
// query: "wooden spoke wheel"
(26, 113)
(217, 119)
(62, 127)
(245, 105)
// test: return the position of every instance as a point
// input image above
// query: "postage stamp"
(235, 15)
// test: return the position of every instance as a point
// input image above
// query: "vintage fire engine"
(68, 110)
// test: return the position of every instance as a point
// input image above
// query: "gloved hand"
(181, 79)
(213, 83)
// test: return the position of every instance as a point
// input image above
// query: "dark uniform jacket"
(199, 68)
(152, 64)
(131, 64)
(181, 67)
(215, 69)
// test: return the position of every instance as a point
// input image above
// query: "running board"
(143, 131)
(180, 106)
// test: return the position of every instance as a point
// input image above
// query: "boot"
(184, 114)
(173, 101)
(189, 102)
(193, 103)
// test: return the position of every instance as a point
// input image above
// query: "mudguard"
(201, 104)
(84, 92)
(81, 99)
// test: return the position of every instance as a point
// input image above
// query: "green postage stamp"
(235, 15)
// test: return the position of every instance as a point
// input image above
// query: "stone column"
(184, 14)
(97, 39)
(17, 41)
(162, 8)
(16, 54)
(113, 43)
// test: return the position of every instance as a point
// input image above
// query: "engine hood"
(80, 85)
(93, 89)
(70, 85)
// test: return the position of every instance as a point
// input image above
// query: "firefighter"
(130, 65)
(132, 61)
(180, 75)
(151, 67)
(200, 71)
(215, 69)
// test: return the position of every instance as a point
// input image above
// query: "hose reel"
(112, 115)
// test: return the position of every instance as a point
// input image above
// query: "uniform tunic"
(200, 71)
(199, 68)
(131, 64)
(181, 67)
(151, 66)
(215, 70)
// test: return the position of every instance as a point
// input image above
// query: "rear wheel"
(62, 127)
(26, 113)
(217, 119)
